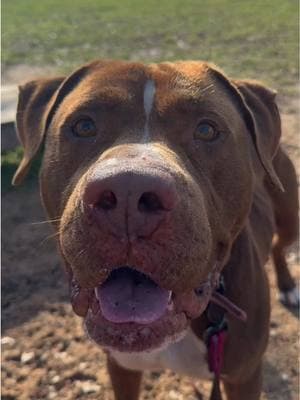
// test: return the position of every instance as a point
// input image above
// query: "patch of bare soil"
(45, 353)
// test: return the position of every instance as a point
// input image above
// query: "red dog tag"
(216, 352)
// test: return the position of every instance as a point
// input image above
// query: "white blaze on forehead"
(149, 93)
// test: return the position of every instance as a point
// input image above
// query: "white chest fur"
(185, 357)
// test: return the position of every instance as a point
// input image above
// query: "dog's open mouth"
(130, 312)
(130, 296)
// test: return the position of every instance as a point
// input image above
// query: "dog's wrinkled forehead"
(133, 77)
(146, 88)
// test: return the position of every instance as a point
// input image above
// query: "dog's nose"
(129, 203)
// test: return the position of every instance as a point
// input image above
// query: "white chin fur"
(167, 341)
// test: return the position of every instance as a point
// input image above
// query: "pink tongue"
(130, 296)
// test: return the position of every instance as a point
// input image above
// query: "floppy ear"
(38, 102)
(35, 101)
(261, 101)
(262, 118)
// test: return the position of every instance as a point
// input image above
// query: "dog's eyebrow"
(193, 92)
(185, 98)
(110, 96)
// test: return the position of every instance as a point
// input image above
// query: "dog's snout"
(130, 202)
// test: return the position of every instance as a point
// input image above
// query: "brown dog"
(159, 178)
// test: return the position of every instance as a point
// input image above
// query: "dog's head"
(148, 175)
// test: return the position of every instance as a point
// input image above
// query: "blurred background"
(45, 353)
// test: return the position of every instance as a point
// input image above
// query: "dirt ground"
(45, 354)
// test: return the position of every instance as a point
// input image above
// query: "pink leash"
(217, 338)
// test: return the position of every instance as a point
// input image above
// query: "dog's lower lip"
(129, 331)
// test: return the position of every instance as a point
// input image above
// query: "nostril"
(107, 201)
(149, 202)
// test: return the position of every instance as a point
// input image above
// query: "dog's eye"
(206, 131)
(84, 127)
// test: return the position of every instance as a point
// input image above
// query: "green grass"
(249, 38)
(9, 163)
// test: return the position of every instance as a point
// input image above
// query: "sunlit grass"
(257, 39)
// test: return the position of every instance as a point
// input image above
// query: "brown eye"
(206, 132)
(84, 127)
